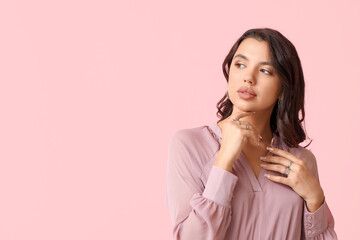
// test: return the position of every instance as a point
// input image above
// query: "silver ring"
(247, 127)
(290, 163)
(287, 171)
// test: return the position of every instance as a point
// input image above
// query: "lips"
(247, 90)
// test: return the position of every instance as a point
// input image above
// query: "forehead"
(254, 50)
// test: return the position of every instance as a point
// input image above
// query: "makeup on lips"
(246, 93)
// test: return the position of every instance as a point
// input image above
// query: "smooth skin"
(252, 68)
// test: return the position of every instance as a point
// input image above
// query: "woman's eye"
(265, 71)
(239, 64)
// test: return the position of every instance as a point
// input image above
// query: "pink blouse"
(208, 202)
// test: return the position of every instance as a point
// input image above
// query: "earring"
(278, 102)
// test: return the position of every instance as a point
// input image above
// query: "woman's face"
(253, 83)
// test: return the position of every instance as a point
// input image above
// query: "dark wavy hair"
(288, 115)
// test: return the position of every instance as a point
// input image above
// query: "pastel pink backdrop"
(91, 92)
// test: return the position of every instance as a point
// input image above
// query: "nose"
(249, 76)
(249, 81)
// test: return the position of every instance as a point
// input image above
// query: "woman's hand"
(234, 132)
(299, 178)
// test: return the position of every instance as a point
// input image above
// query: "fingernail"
(266, 175)
(269, 148)
(262, 158)
(262, 165)
(260, 137)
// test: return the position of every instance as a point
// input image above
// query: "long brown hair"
(287, 116)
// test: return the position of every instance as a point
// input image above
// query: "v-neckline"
(256, 183)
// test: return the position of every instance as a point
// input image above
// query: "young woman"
(246, 176)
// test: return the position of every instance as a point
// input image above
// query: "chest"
(255, 167)
(252, 158)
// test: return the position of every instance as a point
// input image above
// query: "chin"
(246, 108)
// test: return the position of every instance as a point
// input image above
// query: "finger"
(238, 115)
(253, 137)
(275, 159)
(256, 138)
(274, 167)
(280, 160)
(247, 126)
(278, 179)
(284, 154)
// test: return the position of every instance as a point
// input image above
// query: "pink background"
(91, 92)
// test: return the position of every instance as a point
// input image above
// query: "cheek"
(231, 84)
(269, 92)
(235, 75)
(232, 88)
(273, 87)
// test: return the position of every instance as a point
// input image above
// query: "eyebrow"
(244, 57)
